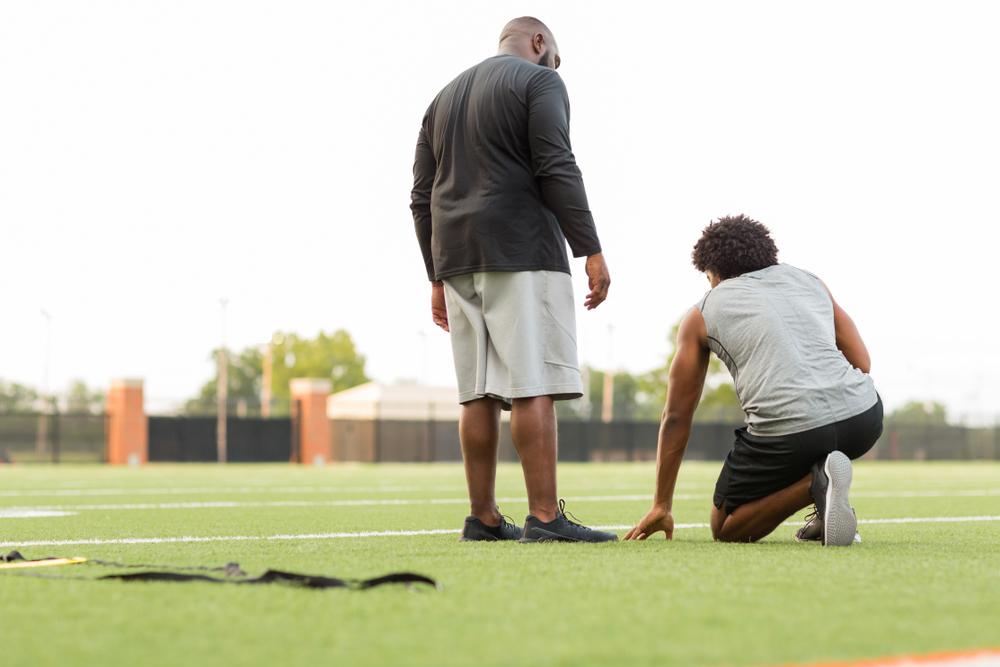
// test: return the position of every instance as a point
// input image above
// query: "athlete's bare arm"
(686, 380)
(849, 338)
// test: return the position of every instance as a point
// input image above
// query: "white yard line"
(376, 502)
(222, 490)
(403, 533)
(358, 502)
(185, 490)
(30, 513)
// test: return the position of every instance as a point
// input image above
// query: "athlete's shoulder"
(692, 326)
(700, 306)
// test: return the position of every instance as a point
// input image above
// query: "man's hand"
(599, 281)
(439, 312)
(657, 518)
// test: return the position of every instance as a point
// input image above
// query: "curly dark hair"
(734, 245)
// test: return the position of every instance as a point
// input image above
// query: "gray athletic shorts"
(513, 335)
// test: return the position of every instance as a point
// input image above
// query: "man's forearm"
(674, 433)
(422, 225)
(564, 195)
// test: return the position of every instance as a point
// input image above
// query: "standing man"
(496, 196)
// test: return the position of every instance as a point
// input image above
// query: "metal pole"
(608, 402)
(55, 430)
(265, 381)
(222, 391)
(423, 357)
(42, 434)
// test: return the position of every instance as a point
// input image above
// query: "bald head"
(529, 38)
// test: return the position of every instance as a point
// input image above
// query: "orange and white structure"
(312, 427)
(127, 433)
(985, 657)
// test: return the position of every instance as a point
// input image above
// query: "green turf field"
(909, 587)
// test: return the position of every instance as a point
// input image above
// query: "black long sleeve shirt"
(495, 182)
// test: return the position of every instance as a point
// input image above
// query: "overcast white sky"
(156, 156)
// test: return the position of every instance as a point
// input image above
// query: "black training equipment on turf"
(231, 574)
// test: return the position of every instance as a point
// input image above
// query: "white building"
(403, 402)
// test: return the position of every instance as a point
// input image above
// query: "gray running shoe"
(561, 529)
(477, 531)
(830, 486)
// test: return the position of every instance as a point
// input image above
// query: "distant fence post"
(127, 436)
(312, 425)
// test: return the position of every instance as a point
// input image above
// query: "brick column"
(313, 427)
(127, 436)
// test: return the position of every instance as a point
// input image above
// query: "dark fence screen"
(192, 439)
(52, 438)
(75, 438)
(578, 441)
(427, 441)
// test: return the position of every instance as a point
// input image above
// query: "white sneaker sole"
(840, 525)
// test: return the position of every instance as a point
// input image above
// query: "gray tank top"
(773, 329)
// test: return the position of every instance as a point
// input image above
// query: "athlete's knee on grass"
(727, 531)
(716, 521)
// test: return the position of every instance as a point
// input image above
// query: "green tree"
(719, 401)
(333, 356)
(81, 399)
(16, 398)
(243, 378)
(920, 412)
(642, 397)
(630, 403)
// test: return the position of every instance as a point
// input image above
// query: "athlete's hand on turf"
(598, 279)
(439, 312)
(658, 518)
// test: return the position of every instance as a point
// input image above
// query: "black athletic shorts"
(759, 466)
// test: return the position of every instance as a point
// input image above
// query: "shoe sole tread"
(839, 521)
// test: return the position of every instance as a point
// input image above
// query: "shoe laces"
(506, 520)
(812, 515)
(569, 515)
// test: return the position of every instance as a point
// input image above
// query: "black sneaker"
(477, 531)
(830, 485)
(562, 529)
(813, 530)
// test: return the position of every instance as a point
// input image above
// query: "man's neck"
(511, 51)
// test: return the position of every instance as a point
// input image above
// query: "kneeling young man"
(801, 375)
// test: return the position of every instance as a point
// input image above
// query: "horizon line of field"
(186, 539)
(397, 502)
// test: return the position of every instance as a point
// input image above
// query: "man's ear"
(538, 43)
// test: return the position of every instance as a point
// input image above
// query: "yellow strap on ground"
(48, 562)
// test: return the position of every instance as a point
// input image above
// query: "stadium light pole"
(222, 390)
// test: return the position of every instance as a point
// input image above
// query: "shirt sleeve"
(424, 168)
(555, 166)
